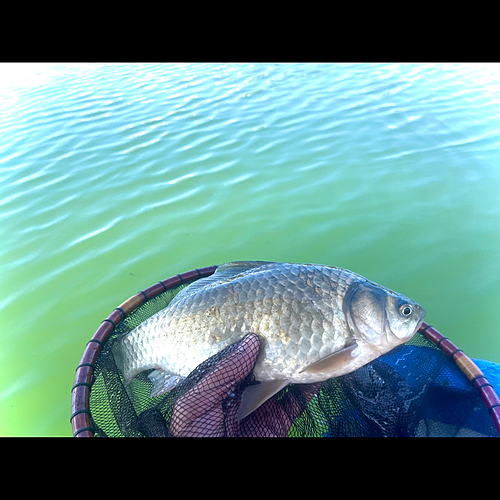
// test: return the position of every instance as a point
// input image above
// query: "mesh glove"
(209, 407)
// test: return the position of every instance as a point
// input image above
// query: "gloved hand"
(209, 408)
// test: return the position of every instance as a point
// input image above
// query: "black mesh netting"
(415, 390)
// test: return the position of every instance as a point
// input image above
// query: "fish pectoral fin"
(255, 395)
(332, 362)
(163, 381)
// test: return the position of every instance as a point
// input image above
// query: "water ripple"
(100, 230)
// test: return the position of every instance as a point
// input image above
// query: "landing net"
(427, 387)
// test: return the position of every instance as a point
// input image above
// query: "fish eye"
(406, 310)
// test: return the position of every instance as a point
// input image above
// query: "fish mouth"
(423, 312)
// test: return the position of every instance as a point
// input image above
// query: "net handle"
(80, 403)
(469, 368)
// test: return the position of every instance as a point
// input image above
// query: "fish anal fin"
(255, 395)
(333, 362)
(163, 381)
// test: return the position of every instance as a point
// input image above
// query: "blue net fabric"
(416, 391)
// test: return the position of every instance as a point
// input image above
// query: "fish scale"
(314, 321)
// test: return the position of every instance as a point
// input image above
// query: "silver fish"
(315, 322)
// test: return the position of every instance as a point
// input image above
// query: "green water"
(113, 177)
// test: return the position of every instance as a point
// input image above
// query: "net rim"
(469, 368)
(80, 404)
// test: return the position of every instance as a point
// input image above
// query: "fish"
(314, 322)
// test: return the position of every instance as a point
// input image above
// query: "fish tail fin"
(121, 359)
(128, 361)
(125, 351)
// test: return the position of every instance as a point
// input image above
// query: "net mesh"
(415, 390)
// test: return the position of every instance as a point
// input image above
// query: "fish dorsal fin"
(241, 266)
(332, 362)
(256, 395)
(223, 273)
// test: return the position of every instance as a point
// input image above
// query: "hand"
(209, 408)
